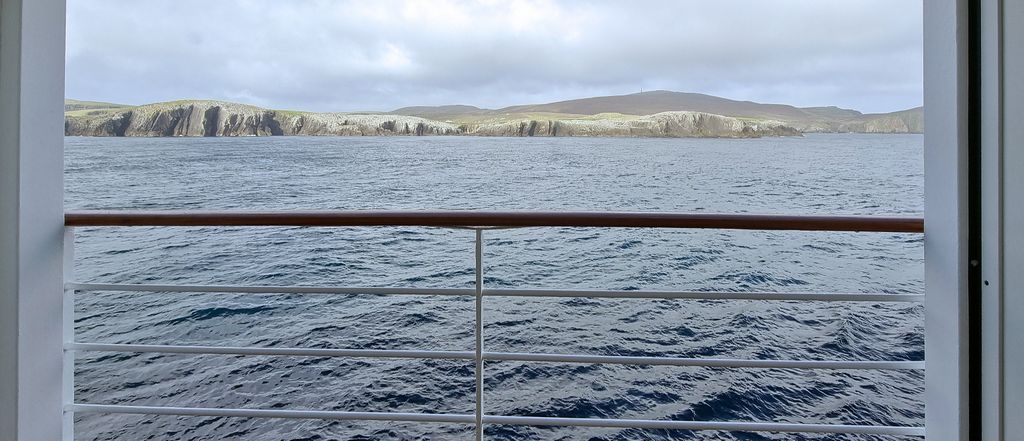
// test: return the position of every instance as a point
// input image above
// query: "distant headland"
(647, 114)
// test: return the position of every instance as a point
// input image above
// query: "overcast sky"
(333, 55)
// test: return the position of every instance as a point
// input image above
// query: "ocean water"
(816, 174)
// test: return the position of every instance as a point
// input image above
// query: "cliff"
(216, 118)
(665, 124)
(649, 114)
(805, 119)
(905, 121)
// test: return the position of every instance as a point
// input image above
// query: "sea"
(817, 174)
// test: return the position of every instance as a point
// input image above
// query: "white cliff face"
(214, 118)
(665, 124)
(200, 118)
(347, 124)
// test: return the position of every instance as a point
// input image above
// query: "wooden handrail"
(476, 219)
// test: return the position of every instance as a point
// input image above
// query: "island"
(648, 114)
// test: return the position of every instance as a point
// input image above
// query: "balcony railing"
(479, 222)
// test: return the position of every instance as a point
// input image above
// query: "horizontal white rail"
(270, 289)
(501, 420)
(292, 352)
(705, 295)
(272, 413)
(704, 425)
(705, 362)
(620, 294)
(502, 356)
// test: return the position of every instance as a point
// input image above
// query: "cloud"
(380, 55)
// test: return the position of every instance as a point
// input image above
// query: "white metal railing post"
(68, 329)
(479, 333)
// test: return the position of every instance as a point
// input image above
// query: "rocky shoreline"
(206, 118)
(213, 118)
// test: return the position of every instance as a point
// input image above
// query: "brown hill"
(809, 119)
(657, 101)
(441, 112)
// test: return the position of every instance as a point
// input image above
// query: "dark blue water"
(817, 174)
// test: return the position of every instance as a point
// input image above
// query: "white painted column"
(1002, 150)
(31, 218)
(992, 268)
(1013, 283)
(1006, 288)
(945, 98)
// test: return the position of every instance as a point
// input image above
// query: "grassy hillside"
(648, 103)
(76, 105)
(813, 119)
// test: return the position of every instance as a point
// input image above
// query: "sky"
(337, 55)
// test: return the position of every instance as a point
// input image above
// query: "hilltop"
(73, 105)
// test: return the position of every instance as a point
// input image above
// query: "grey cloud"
(358, 55)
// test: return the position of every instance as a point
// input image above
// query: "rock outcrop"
(347, 124)
(905, 121)
(214, 118)
(648, 114)
(661, 125)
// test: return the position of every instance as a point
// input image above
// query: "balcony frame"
(31, 219)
